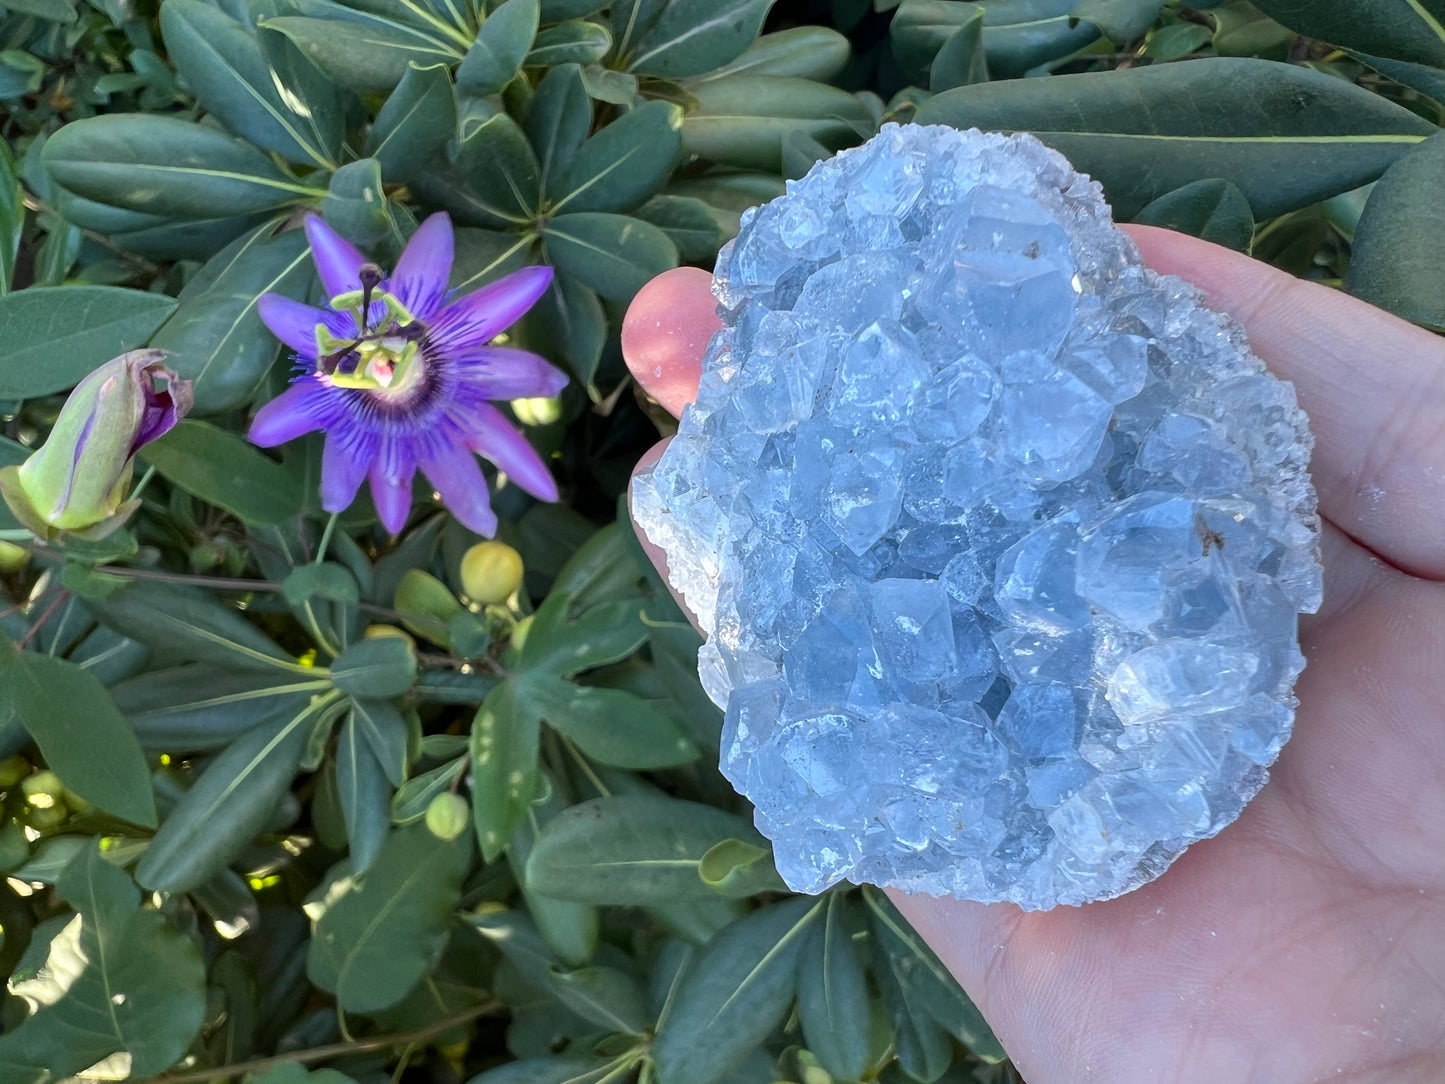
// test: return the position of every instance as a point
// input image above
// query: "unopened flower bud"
(76, 483)
(448, 816)
(13, 770)
(44, 800)
(491, 571)
(13, 558)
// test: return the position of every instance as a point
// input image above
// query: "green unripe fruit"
(491, 571)
(388, 632)
(14, 847)
(44, 800)
(13, 770)
(448, 816)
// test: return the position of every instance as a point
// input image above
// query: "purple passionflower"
(400, 376)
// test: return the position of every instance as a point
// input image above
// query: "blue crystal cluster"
(999, 538)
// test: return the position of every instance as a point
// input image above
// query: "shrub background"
(265, 846)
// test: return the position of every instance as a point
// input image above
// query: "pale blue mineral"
(1000, 539)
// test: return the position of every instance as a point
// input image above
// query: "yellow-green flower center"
(383, 354)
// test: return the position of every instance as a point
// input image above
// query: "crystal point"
(1000, 539)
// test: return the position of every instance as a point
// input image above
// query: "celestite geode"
(999, 538)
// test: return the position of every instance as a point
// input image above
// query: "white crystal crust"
(999, 539)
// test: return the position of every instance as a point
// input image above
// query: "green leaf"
(924, 983)
(561, 644)
(168, 166)
(505, 741)
(1412, 31)
(57, 11)
(293, 1072)
(559, 11)
(383, 667)
(623, 164)
(558, 1070)
(377, 940)
(609, 998)
(82, 735)
(216, 339)
(415, 123)
(198, 239)
(56, 335)
(356, 205)
(483, 256)
(410, 802)
(558, 119)
(569, 928)
(630, 849)
(199, 708)
(833, 1002)
(1122, 21)
(493, 178)
(222, 62)
(961, 60)
(233, 800)
(729, 194)
(569, 323)
(1017, 34)
(1175, 41)
(1213, 209)
(1398, 262)
(385, 731)
(1286, 136)
(576, 42)
(609, 726)
(186, 624)
(613, 254)
(365, 794)
(502, 43)
(12, 216)
(370, 56)
(801, 152)
(326, 580)
(741, 121)
(221, 468)
(96, 991)
(733, 995)
(689, 223)
(802, 52)
(694, 36)
(737, 869)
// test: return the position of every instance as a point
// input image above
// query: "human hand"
(1307, 941)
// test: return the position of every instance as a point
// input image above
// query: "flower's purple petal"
(480, 316)
(420, 278)
(163, 407)
(391, 474)
(457, 476)
(338, 263)
(294, 323)
(502, 372)
(392, 497)
(494, 438)
(344, 464)
(295, 412)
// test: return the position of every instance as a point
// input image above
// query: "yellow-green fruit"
(14, 847)
(13, 558)
(44, 800)
(388, 632)
(12, 770)
(448, 816)
(425, 604)
(491, 571)
(543, 410)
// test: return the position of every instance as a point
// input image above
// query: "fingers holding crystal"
(666, 332)
(1372, 385)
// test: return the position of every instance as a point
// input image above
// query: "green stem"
(325, 539)
(145, 480)
(330, 1051)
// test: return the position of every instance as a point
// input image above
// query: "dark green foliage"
(500, 851)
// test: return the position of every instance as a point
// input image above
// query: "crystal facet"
(999, 538)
